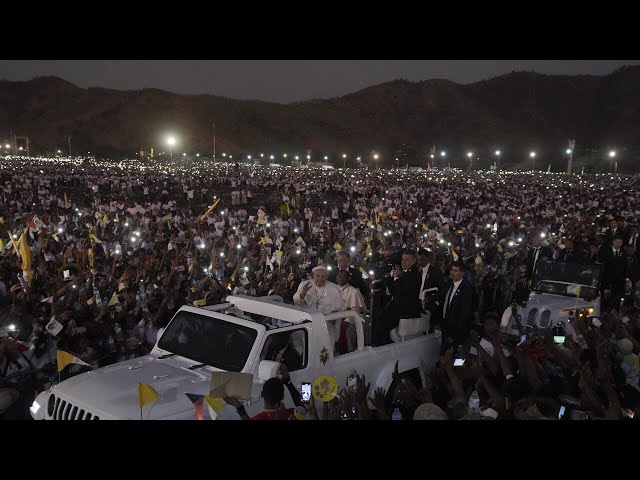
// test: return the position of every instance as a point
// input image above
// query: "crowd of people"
(97, 256)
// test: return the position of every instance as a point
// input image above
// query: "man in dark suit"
(431, 277)
(614, 269)
(537, 253)
(281, 350)
(570, 254)
(632, 237)
(614, 230)
(457, 309)
(355, 277)
(404, 286)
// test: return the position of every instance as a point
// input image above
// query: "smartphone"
(561, 412)
(306, 392)
(65, 274)
(558, 339)
(523, 338)
(458, 362)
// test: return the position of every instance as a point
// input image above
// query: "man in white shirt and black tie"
(614, 269)
(457, 309)
(431, 277)
(632, 237)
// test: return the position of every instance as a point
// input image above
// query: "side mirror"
(267, 369)
(159, 334)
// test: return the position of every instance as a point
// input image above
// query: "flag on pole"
(301, 242)
(197, 401)
(214, 405)
(266, 240)
(25, 256)
(368, 251)
(94, 238)
(146, 394)
(113, 300)
(63, 359)
(210, 208)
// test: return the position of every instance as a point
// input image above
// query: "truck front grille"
(64, 410)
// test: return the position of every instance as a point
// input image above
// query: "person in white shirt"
(320, 295)
(353, 300)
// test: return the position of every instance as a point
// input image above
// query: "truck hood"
(111, 392)
(549, 301)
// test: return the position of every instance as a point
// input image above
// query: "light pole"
(69, 140)
(430, 164)
(570, 162)
(533, 160)
(498, 161)
(612, 155)
(171, 141)
(344, 160)
(470, 157)
(214, 142)
(443, 154)
(375, 156)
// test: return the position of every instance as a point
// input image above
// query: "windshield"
(588, 275)
(208, 340)
(567, 289)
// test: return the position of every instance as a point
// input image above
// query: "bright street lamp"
(171, 142)
(498, 162)
(533, 160)
(612, 154)
(344, 160)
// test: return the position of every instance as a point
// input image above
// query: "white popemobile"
(236, 336)
(559, 289)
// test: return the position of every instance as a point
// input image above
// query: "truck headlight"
(34, 408)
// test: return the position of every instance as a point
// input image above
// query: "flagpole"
(141, 413)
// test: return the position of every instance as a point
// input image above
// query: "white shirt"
(425, 270)
(325, 299)
(450, 294)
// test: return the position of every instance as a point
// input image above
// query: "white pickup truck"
(244, 334)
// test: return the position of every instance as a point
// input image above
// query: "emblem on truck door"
(324, 355)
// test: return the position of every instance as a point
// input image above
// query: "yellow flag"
(214, 405)
(200, 303)
(337, 246)
(113, 300)
(266, 240)
(66, 201)
(90, 256)
(65, 359)
(454, 255)
(167, 217)
(424, 227)
(146, 394)
(578, 290)
(94, 238)
(211, 208)
(1, 244)
(368, 250)
(25, 255)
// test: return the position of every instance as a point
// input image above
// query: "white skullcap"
(320, 267)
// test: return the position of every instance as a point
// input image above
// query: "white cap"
(320, 267)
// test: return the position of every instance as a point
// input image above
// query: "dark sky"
(283, 80)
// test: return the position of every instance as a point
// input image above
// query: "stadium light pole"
(612, 155)
(443, 154)
(498, 160)
(171, 141)
(533, 160)
(214, 142)
(344, 160)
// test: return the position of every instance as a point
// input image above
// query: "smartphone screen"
(558, 339)
(561, 412)
(458, 362)
(306, 392)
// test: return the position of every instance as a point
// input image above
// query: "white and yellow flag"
(65, 359)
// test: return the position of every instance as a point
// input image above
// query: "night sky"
(283, 80)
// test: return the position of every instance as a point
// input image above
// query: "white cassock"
(353, 301)
(324, 299)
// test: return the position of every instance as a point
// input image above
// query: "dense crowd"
(97, 256)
